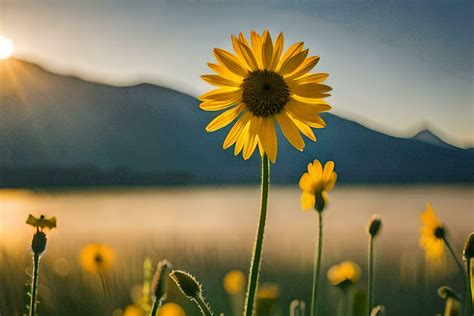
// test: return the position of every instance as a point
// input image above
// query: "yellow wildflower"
(344, 273)
(234, 282)
(171, 309)
(96, 258)
(316, 183)
(260, 86)
(133, 310)
(432, 234)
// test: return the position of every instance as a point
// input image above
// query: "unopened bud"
(160, 283)
(374, 226)
(187, 284)
(445, 292)
(378, 310)
(468, 252)
(38, 244)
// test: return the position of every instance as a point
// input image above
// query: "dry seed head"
(38, 244)
(187, 284)
(160, 284)
(374, 226)
(468, 252)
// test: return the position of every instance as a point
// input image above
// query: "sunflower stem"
(317, 268)
(34, 284)
(453, 254)
(258, 246)
(468, 294)
(370, 303)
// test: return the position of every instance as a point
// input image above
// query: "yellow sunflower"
(234, 282)
(344, 273)
(171, 309)
(316, 183)
(97, 258)
(432, 234)
(259, 85)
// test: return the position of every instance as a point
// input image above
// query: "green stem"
(468, 298)
(370, 304)
(34, 285)
(453, 254)
(205, 310)
(156, 307)
(317, 268)
(257, 250)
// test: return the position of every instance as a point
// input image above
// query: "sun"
(6, 48)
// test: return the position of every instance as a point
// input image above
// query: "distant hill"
(60, 130)
(429, 137)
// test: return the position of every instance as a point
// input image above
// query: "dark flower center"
(439, 232)
(98, 259)
(265, 92)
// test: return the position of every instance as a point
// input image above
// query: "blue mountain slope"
(59, 122)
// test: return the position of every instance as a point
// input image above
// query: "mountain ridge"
(146, 133)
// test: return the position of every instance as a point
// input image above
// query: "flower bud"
(38, 244)
(378, 310)
(446, 292)
(187, 284)
(468, 252)
(160, 283)
(374, 225)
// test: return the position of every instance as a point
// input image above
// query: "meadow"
(209, 231)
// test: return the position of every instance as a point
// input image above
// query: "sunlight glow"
(6, 48)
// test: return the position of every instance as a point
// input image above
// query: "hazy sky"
(395, 66)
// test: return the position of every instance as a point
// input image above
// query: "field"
(209, 231)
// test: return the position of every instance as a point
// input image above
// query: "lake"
(209, 230)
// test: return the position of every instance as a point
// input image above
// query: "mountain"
(61, 130)
(429, 137)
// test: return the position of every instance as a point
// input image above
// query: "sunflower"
(171, 309)
(432, 234)
(96, 258)
(260, 85)
(316, 183)
(344, 273)
(234, 282)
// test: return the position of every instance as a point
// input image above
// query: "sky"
(396, 66)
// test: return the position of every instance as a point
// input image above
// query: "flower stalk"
(468, 254)
(373, 229)
(317, 267)
(453, 254)
(258, 246)
(34, 284)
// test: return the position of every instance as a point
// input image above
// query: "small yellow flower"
(171, 309)
(234, 282)
(432, 234)
(268, 292)
(42, 222)
(344, 273)
(97, 258)
(260, 86)
(316, 183)
(133, 310)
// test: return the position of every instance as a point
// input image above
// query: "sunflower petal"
(219, 81)
(292, 63)
(221, 94)
(235, 131)
(304, 128)
(216, 105)
(328, 170)
(247, 55)
(290, 131)
(306, 110)
(332, 181)
(230, 62)
(267, 50)
(311, 78)
(242, 138)
(306, 66)
(251, 143)
(268, 138)
(315, 169)
(225, 118)
(290, 52)
(224, 72)
(277, 49)
(307, 201)
(306, 183)
(257, 47)
(311, 90)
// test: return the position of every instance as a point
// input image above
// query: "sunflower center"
(98, 259)
(439, 232)
(265, 92)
